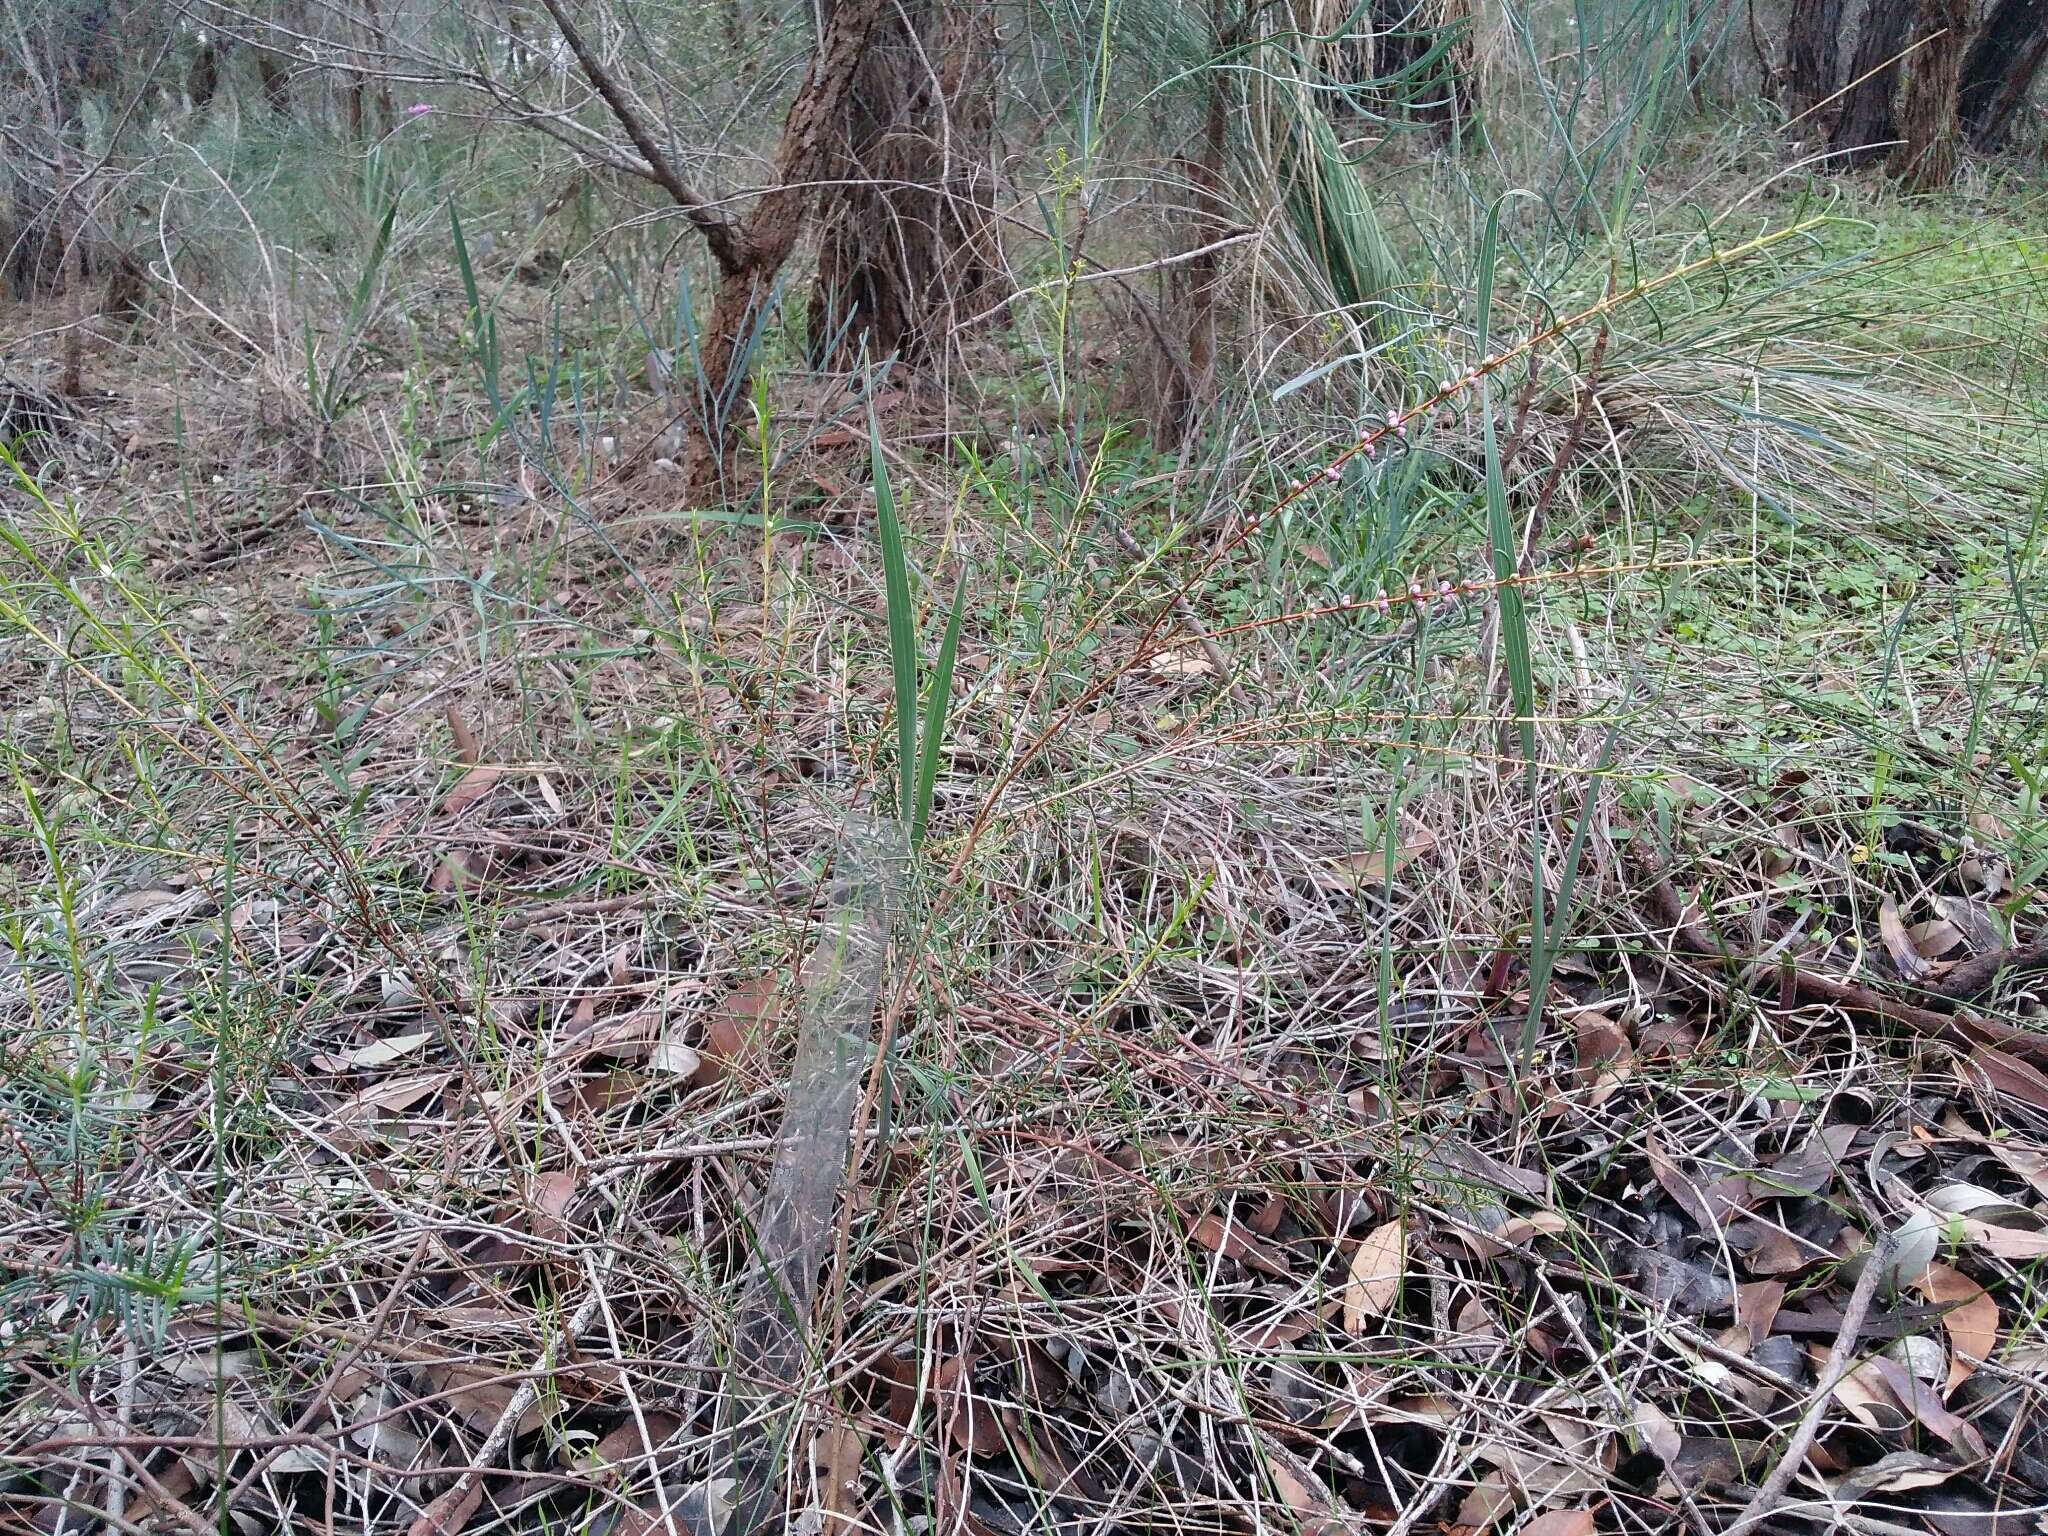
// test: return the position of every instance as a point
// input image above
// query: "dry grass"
(407, 910)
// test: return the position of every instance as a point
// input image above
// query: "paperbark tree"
(748, 251)
(909, 252)
(1927, 118)
(1869, 121)
(2000, 69)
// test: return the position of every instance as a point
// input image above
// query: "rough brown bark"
(1868, 123)
(1933, 139)
(909, 249)
(2000, 69)
(1186, 394)
(768, 234)
(1813, 53)
(749, 253)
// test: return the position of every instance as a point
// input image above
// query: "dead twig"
(1964, 1031)
(1975, 976)
(1766, 1499)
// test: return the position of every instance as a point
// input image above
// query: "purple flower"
(419, 109)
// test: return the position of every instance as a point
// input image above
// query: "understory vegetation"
(967, 767)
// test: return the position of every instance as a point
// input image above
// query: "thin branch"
(723, 238)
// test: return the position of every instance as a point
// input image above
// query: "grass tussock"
(1460, 949)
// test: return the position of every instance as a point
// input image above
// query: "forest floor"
(415, 895)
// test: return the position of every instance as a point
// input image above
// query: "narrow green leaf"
(937, 700)
(902, 624)
(1543, 963)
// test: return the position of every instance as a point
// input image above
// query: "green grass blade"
(1514, 636)
(936, 703)
(483, 329)
(1543, 961)
(902, 624)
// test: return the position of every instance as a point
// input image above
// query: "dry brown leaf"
(2000, 1242)
(472, 787)
(625, 1447)
(1234, 1240)
(1864, 1392)
(1971, 1320)
(1180, 661)
(398, 1093)
(465, 738)
(553, 1194)
(2030, 1163)
(676, 1058)
(1368, 866)
(481, 1394)
(1657, 1431)
(1485, 1502)
(1712, 1205)
(1599, 1042)
(2011, 1076)
(1374, 1278)
(450, 1512)
(1898, 943)
(836, 1452)
(1756, 1308)
(737, 1028)
(1936, 938)
(1919, 1400)
(1299, 1487)
(1561, 1522)
(378, 1053)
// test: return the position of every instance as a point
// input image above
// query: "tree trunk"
(1813, 53)
(1868, 123)
(2000, 69)
(909, 252)
(750, 257)
(1927, 158)
(1186, 393)
(749, 253)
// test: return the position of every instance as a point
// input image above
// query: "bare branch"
(727, 249)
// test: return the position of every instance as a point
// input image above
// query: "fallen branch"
(1962, 1030)
(1766, 1500)
(1975, 976)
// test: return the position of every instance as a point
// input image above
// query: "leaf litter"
(1248, 1235)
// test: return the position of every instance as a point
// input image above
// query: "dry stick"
(446, 1514)
(1961, 1030)
(727, 242)
(1759, 1508)
(1973, 976)
(1567, 453)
